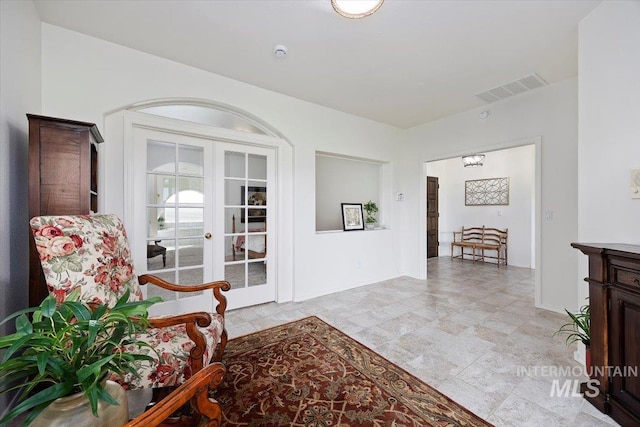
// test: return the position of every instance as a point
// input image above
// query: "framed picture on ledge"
(352, 218)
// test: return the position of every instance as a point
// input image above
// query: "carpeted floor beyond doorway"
(307, 373)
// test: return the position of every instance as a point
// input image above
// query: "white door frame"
(117, 179)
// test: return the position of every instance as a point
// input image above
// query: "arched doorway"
(191, 170)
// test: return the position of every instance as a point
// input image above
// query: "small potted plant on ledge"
(62, 356)
(579, 329)
(371, 209)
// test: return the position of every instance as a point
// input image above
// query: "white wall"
(340, 180)
(609, 127)
(549, 113)
(19, 94)
(515, 163)
(106, 77)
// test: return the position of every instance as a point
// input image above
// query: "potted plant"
(371, 209)
(579, 329)
(70, 348)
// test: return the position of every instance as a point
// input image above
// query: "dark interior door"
(432, 216)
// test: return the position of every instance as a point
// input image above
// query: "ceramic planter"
(74, 410)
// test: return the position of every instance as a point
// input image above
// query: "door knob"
(207, 235)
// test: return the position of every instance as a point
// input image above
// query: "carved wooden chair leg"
(217, 357)
(207, 411)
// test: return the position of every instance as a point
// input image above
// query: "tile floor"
(466, 331)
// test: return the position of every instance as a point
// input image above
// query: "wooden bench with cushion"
(479, 240)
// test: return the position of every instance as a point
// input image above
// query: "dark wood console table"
(614, 298)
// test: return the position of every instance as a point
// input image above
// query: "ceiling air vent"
(515, 87)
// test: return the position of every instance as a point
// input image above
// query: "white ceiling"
(410, 63)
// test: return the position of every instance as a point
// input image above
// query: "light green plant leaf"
(23, 325)
(123, 299)
(94, 328)
(79, 310)
(19, 313)
(100, 311)
(43, 397)
(92, 395)
(57, 367)
(15, 346)
(42, 359)
(579, 328)
(94, 368)
(7, 340)
(103, 394)
(48, 306)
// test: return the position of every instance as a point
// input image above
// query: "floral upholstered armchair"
(91, 252)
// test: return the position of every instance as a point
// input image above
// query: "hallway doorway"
(432, 217)
(518, 215)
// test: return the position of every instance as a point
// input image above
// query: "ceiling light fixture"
(473, 160)
(355, 9)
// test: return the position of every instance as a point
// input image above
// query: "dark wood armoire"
(63, 180)
(614, 299)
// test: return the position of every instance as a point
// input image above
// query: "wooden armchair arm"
(217, 287)
(155, 280)
(196, 390)
(457, 233)
(200, 318)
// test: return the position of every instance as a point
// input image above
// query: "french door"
(195, 221)
(247, 213)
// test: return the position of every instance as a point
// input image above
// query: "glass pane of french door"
(177, 196)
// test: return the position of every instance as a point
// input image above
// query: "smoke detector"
(280, 51)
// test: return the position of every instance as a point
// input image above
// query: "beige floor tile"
(473, 398)
(516, 411)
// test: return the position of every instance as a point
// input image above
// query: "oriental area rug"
(307, 373)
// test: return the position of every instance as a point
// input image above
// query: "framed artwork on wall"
(352, 218)
(256, 196)
(485, 192)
